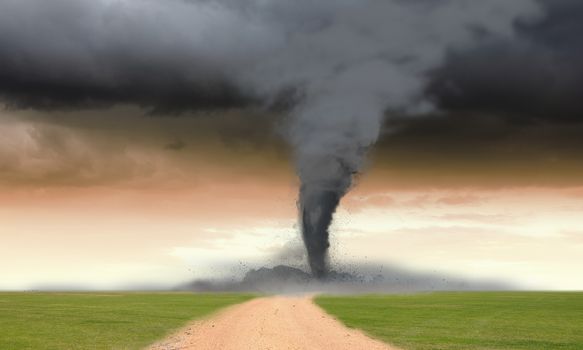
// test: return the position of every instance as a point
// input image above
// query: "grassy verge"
(468, 321)
(64, 321)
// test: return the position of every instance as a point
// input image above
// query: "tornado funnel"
(317, 209)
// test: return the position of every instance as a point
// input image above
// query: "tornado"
(354, 65)
(317, 210)
(317, 207)
(327, 158)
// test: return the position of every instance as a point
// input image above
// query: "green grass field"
(468, 321)
(62, 321)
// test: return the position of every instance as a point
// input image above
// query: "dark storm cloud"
(176, 55)
(170, 55)
(479, 150)
(535, 75)
(179, 54)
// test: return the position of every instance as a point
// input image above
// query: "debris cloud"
(369, 278)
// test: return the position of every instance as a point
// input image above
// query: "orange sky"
(111, 237)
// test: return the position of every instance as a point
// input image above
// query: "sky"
(149, 143)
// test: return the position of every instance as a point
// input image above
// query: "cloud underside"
(121, 146)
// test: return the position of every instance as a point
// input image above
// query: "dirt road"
(270, 323)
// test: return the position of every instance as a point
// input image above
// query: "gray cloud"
(535, 75)
(166, 54)
(178, 54)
